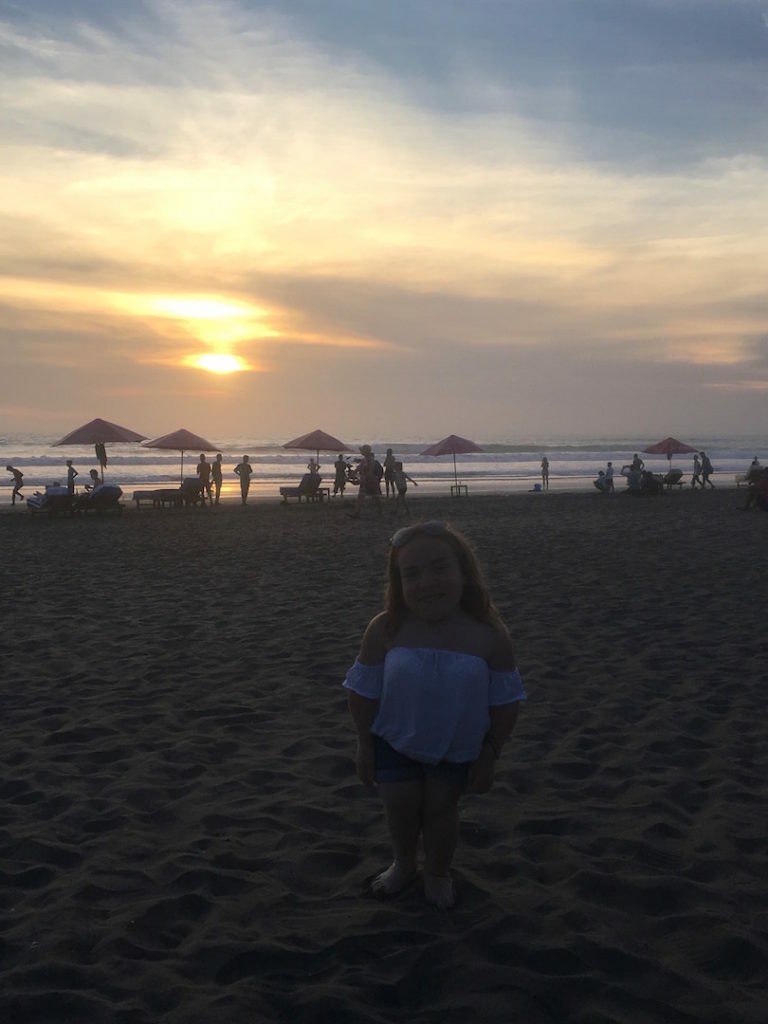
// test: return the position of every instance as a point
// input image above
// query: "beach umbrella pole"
(455, 474)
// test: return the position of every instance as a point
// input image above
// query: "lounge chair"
(674, 478)
(308, 488)
(160, 497)
(191, 492)
(55, 498)
(103, 498)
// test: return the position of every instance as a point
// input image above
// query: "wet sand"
(183, 839)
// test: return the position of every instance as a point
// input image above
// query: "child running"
(434, 695)
(400, 479)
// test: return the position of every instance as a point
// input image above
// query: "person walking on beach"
(609, 479)
(401, 478)
(706, 471)
(434, 695)
(244, 470)
(18, 483)
(389, 472)
(204, 476)
(71, 474)
(340, 479)
(696, 478)
(217, 476)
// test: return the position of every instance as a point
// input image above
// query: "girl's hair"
(475, 599)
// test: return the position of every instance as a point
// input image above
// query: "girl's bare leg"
(403, 803)
(441, 834)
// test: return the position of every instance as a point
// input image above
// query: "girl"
(433, 695)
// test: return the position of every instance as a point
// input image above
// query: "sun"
(217, 362)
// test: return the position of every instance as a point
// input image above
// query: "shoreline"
(265, 494)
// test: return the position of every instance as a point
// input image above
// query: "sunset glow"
(216, 362)
(354, 213)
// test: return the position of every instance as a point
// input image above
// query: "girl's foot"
(392, 881)
(440, 891)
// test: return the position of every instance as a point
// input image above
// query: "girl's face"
(431, 578)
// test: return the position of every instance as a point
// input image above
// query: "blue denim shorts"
(392, 766)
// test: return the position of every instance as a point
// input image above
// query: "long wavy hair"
(475, 599)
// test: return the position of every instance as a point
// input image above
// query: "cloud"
(509, 192)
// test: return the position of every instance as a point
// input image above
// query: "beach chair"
(674, 478)
(54, 499)
(309, 488)
(103, 498)
(159, 497)
(190, 493)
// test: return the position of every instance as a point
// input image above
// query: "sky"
(504, 219)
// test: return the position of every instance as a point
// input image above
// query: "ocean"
(502, 466)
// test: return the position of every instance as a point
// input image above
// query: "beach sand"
(183, 838)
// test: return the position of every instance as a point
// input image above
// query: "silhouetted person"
(204, 475)
(600, 483)
(340, 479)
(93, 476)
(18, 483)
(609, 478)
(706, 471)
(696, 478)
(216, 474)
(389, 472)
(71, 474)
(369, 472)
(400, 480)
(545, 473)
(244, 470)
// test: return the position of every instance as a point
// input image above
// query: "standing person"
(313, 467)
(637, 463)
(204, 476)
(18, 483)
(216, 473)
(389, 472)
(696, 478)
(71, 474)
(370, 472)
(545, 473)
(340, 479)
(706, 471)
(433, 695)
(609, 478)
(244, 470)
(401, 479)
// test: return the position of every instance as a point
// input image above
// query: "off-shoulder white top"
(434, 703)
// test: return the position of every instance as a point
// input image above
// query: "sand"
(183, 839)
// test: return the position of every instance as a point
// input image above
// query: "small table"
(457, 490)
